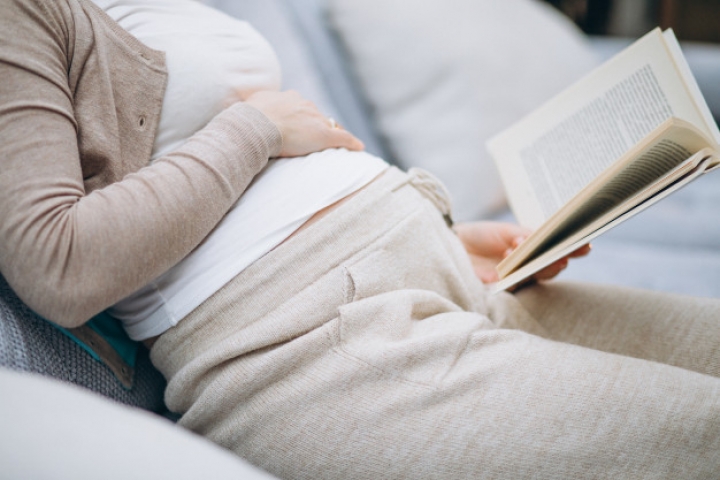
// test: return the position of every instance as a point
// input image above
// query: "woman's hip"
(392, 236)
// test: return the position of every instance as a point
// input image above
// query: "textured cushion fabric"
(443, 76)
(30, 343)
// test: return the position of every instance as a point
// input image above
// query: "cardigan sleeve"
(70, 254)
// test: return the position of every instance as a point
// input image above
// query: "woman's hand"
(304, 129)
(487, 243)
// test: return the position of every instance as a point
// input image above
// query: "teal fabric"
(110, 329)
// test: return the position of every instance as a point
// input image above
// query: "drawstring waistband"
(433, 189)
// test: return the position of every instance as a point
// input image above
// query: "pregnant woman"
(312, 308)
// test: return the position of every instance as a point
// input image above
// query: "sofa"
(66, 415)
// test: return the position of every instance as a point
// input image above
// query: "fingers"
(553, 270)
(487, 243)
(487, 276)
(514, 243)
(303, 127)
(581, 252)
(339, 138)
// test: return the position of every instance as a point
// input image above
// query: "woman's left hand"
(488, 243)
(303, 128)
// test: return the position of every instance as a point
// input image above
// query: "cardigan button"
(142, 121)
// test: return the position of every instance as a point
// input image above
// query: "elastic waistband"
(358, 222)
(345, 230)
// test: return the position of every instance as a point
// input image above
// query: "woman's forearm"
(70, 255)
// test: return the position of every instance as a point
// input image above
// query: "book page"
(554, 152)
(711, 126)
(670, 145)
(702, 162)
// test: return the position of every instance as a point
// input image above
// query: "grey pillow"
(30, 343)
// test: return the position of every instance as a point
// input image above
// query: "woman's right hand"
(304, 129)
(488, 243)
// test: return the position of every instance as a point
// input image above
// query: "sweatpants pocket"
(406, 327)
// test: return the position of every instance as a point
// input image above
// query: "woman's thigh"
(404, 383)
(392, 363)
(426, 392)
(673, 329)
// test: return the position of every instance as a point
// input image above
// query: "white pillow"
(53, 429)
(445, 75)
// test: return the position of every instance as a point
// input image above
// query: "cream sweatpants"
(365, 348)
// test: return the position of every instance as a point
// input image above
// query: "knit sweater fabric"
(85, 219)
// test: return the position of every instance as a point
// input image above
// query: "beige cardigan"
(84, 221)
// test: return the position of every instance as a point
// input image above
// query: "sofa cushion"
(444, 75)
(55, 430)
(30, 343)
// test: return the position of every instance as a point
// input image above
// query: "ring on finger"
(333, 123)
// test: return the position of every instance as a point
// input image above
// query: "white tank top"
(209, 55)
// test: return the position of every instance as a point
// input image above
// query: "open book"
(628, 134)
